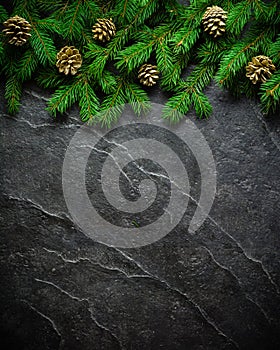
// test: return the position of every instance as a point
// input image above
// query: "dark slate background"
(216, 289)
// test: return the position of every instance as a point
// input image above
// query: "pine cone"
(260, 69)
(68, 60)
(148, 74)
(17, 30)
(104, 30)
(214, 21)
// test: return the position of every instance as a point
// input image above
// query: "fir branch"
(86, 39)
(27, 65)
(157, 40)
(139, 18)
(13, 91)
(48, 25)
(113, 105)
(65, 96)
(73, 21)
(13, 86)
(107, 6)
(137, 98)
(237, 57)
(193, 13)
(185, 39)
(88, 102)
(125, 92)
(62, 9)
(274, 51)
(91, 12)
(49, 6)
(133, 56)
(107, 82)
(26, 9)
(40, 41)
(201, 104)
(171, 77)
(120, 38)
(243, 86)
(51, 78)
(266, 12)
(190, 94)
(164, 57)
(177, 106)
(126, 11)
(200, 77)
(238, 16)
(1, 55)
(213, 51)
(270, 94)
(180, 104)
(43, 46)
(3, 14)
(148, 8)
(98, 55)
(94, 51)
(173, 7)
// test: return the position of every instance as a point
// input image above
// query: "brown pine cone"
(260, 69)
(148, 74)
(17, 30)
(214, 21)
(69, 60)
(104, 30)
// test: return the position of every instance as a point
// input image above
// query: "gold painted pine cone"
(17, 30)
(69, 60)
(260, 69)
(148, 74)
(214, 21)
(104, 30)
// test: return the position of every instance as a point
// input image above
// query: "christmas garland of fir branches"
(103, 44)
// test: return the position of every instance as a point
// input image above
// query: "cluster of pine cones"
(69, 60)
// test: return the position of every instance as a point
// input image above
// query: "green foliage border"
(165, 33)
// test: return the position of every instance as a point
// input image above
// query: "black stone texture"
(216, 289)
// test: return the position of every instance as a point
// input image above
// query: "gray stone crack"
(146, 274)
(54, 326)
(95, 263)
(34, 94)
(73, 297)
(260, 117)
(149, 174)
(101, 326)
(238, 282)
(258, 262)
(200, 310)
(64, 216)
(59, 215)
(44, 125)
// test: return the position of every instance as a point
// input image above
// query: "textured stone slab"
(215, 289)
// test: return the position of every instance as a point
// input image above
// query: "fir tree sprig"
(3, 14)
(22, 64)
(235, 59)
(270, 94)
(190, 94)
(125, 92)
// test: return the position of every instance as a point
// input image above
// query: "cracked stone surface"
(218, 288)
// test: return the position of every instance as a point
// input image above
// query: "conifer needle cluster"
(102, 46)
